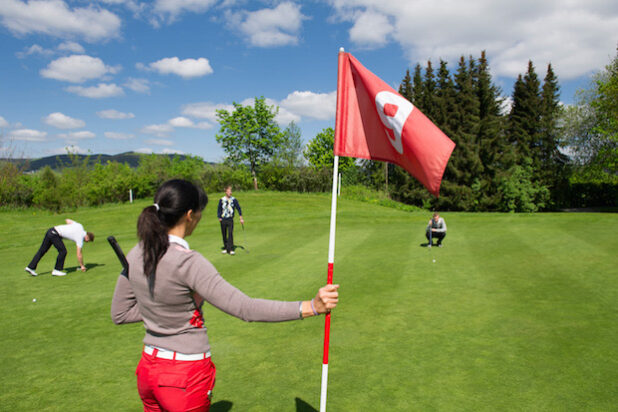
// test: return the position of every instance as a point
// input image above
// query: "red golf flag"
(375, 122)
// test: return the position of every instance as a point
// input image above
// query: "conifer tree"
(445, 100)
(405, 88)
(464, 167)
(417, 87)
(428, 106)
(551, 161)
(524, 132)
(524, 119)
(490, 137)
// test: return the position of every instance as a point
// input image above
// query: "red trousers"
(171, 385)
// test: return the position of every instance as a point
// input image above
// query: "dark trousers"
(435, 235)
(227, 232)
(51, 238)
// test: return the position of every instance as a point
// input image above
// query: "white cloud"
(77, 69)
(145, 150)
(62, 121)
(574, 36)
(186, 122)
(28, 135)
(170, 9)
(34, 49)
(118, 135)
(161, 130)
(138, 85)
(371, 29)
(73, 149)
(269, 27)
(185, 68)
(71, 46)
(171, 151)
(82, 134)
(97, 92)
(114, 114)
(3, 122)
(181, 122)
(205, 110)
(55, 18)
(160, 142)
(321, 106)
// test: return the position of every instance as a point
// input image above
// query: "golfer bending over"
(165, 289)
(72, 231)
(225, 213)
(436, 228)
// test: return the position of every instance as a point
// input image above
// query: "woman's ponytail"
(154, 239)
(173, 199)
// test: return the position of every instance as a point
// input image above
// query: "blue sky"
(112, 76)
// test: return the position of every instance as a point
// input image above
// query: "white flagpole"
(329, 280)
(331, 260)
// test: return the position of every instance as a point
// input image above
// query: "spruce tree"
(405, 88)
(464, 167)
(524, 132)
(490, 138)
(525, 116)
(428, 106)
(551, 161)
(417, 87)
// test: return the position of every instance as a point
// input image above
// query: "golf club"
(121, 257)
(244, 239)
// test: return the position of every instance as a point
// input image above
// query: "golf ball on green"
(34, 300)
(434, 261)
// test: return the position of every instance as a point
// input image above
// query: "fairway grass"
(518, 312)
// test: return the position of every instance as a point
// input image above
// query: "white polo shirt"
(73, 231)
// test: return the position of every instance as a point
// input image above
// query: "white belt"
(168, 354)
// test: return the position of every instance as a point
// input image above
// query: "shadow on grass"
(88, 267)
(221, 406)
(302, 406)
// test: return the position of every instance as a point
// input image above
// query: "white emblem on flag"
(394, 111)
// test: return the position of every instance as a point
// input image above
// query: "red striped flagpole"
(331, 261)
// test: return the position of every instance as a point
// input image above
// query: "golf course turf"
(518, 311)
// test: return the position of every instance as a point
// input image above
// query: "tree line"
(526, 154)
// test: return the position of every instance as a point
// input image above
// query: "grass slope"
(518, 312)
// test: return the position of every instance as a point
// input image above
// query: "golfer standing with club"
(72, 231)
(165, 288)
(225, 213)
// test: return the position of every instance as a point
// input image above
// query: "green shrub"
(520, 193)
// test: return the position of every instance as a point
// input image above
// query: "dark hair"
(90, 236)
(173, 199)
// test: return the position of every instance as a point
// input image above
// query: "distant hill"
(58, 161)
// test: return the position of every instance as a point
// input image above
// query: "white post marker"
(130, 195)
(329, 279)
(339, 188)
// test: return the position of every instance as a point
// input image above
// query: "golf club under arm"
(121, 257)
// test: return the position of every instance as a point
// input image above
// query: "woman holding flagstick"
(165, 289)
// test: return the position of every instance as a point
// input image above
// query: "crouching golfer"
(72, 231)
(436, 228)
(165, 289)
